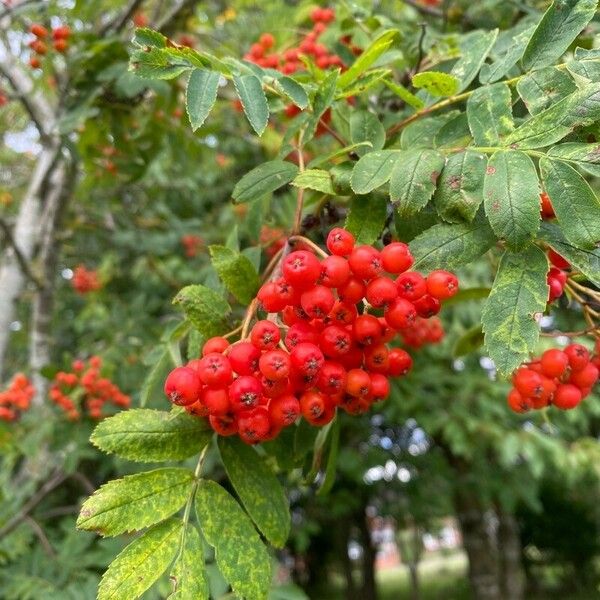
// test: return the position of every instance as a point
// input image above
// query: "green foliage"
(373, 170)
(254, 101)
(239, 551)
(366, 218)
(201, 95)
(436, 83)
(236, 272)
(489, 110)
(315, 179)
(263, 180)
(205, 309)
(188, 576)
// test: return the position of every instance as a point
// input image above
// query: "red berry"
(400, 362)
(60, 45)
(427, 306)
(275, 364)
(316, 409)
(411, 285)
(272, 388)
(555, 288)
(365, 262)
(335, 341)
(353, 359)
(215, 344)
(265, 335)
(340, 242)
(377, 358)
(183, 386)
(358, 383)
(245, 392)
(380, 387)
(270, 299)
(517, 402)
(254, 425)
(442, 284)
(39, 47)
(266, 40)
(352, 291)
(215, 370)
(366, 330)
(547, 210)
(528, 382)
(566, 396)
(335, 271)
(39, 30)
(332, 378)
(586, 377)
(554, 363)
(301, 269)
(400, 314)
(243, 358)
(557, 260)
(381, 291)
(307, 359)
(216, 401)
(578, 356)
(342, 313)
(34, 62)
(317, 302)
(396, 258)
(62, 32)
(224, 424)
(298, 333)
(284, 410)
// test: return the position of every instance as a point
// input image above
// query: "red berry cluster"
(60, 43)
(290, 61)
(422, 332)
(85, 281)
(557, 275)
(561, 378)
(192, 244)
(15, 399)
(84, 389)
(338, 315)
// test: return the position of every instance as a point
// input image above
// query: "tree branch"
(168, 18)
(23, 263)
(115, 25)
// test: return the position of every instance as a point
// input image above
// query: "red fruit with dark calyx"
(183, 386)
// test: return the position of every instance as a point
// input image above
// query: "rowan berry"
(39, 30)
(332, 378)
(342, 313)
(400, 362)
(366, 330)
(275, 364)
(411, 285)
(265, 335)
(301, 269)
(317, 302)
(396, 258)
(566, 396)
(400, 314)
(307, 359)
(442, 284)
(216, 401)
(427, 306)
(284, 410)
(381, 291)
(586, 377)
(266, 40)
(340, 242)
(365, 262)
(224, 425)
(380, 387)
(244, 358)
(183, 386)
(352, 291)
(244, 392)
(215, 370)
(554, 363)
(335, 271)
(519, 403)
(578, 356)
(254, 425)
(358, 383)
(377, 358)
(335, 341)
(215, 344)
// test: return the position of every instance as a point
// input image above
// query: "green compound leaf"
(293, 90)
(373, 170)
(586, 63)
(236, 272)
(241, 556)
(511, 194)
(579, 109)
(264, 179)
(459, 190)
(157, 63)
(141, 563)
(188, 576)
(146, 435)
(201, 95)
(489, 110)
(253, 99)
(314, 179)
(404, 94)
(323, 100)
(542, 89)
(146, 37)
(367, 57)
(474, 48)
(365, 127)
(584, 261)
(436, 83)
(576, 206)
(414, 178)
(500, 67)
(584, 156)
(136, 501)
(561, 24)
(258, 489)
(205, 309)
(366, 218)
(449, 246)
(519, 295)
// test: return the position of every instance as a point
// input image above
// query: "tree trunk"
(369, 585)
(480, 539)
(512, 577)
(413, 571)
(347, 567)
(26, 237)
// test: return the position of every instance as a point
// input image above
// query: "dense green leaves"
(373, 170)
(146, 37)
(585, 156)
(205, 309)
(460, 187)
(585, 261)
(474, 48)
(518, 297)
(293, 90)
(314, 179)
(543, 88)
(254, 101)
(258, 489)
(136, 501)
(156, 63)
(502, 65)
(512, 197)
(560, 25)
(366, 218)
(264, 179)
(146, 435)
(141, 563)
(201, 95)
(451, 246)
(489, 110)
(188, 577)
(236, 271)
(575, 203)
(365, 127)
(586, 63)
(436, 83)
(413, 179)
(241, 556)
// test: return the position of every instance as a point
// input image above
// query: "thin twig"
(174, 13)
(39, 532)
(23, 262)
(251, 310)
(300, 238)
(115, 25)
(300, 193)
(421, 49)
